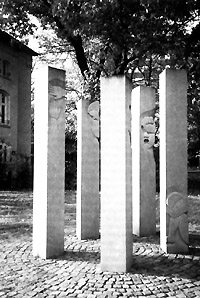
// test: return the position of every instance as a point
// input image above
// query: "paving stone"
(78, 274)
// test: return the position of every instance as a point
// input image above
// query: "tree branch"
(74, 40)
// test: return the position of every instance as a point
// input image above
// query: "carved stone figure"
(177, 223)
(93, 112)
(147, 174)
(56, 92)
(148, 129)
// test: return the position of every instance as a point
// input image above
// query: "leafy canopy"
(136, 37)
(112, 36)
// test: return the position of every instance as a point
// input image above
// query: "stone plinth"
(87, 215)
(143, 163)
(116, 181)
(173, 161)
(49, 163)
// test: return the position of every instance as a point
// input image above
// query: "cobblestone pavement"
(77, 273)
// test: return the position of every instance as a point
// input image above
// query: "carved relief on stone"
(57, 93)
(93, 112)
(148, 129)
(129, 124)
(177, 222)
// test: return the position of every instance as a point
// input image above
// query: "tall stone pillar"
(116, 181)
(87, 212)
(173, 161)
(49, 163)
(143, 163)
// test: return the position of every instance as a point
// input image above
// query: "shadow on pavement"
(92, 257)
(166, 266)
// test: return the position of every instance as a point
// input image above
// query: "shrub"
(16, 173)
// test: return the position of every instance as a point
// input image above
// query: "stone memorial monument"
(127, 162)
(116, 181)
(87, 214)
(143, 163)
(177, 222)
(173, 161)
(49, 163)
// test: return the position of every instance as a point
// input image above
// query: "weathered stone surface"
(49, 163)
(116, 182)
(177, 223)
(173, 156)
(93, 112)
(87, 219)
(143, 163)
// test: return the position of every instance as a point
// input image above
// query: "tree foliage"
(106, 37)
(120, 32)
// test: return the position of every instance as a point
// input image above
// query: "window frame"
(4, 108)
(5, 68)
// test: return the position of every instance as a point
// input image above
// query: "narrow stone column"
(87, 212)
(143, 163)
(49, 163)
(173, 161)
(116, 181)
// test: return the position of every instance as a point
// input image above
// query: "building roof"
(15, 44)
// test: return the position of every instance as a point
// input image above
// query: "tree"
(111, 35)
(107, 37)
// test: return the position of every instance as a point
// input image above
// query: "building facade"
(15, 106)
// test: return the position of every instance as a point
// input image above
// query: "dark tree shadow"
(92, 257)
(15, 230)
(166, 266)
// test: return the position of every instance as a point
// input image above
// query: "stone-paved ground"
(77, 273)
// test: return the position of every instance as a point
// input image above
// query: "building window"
(4, 108)
(5, 68)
